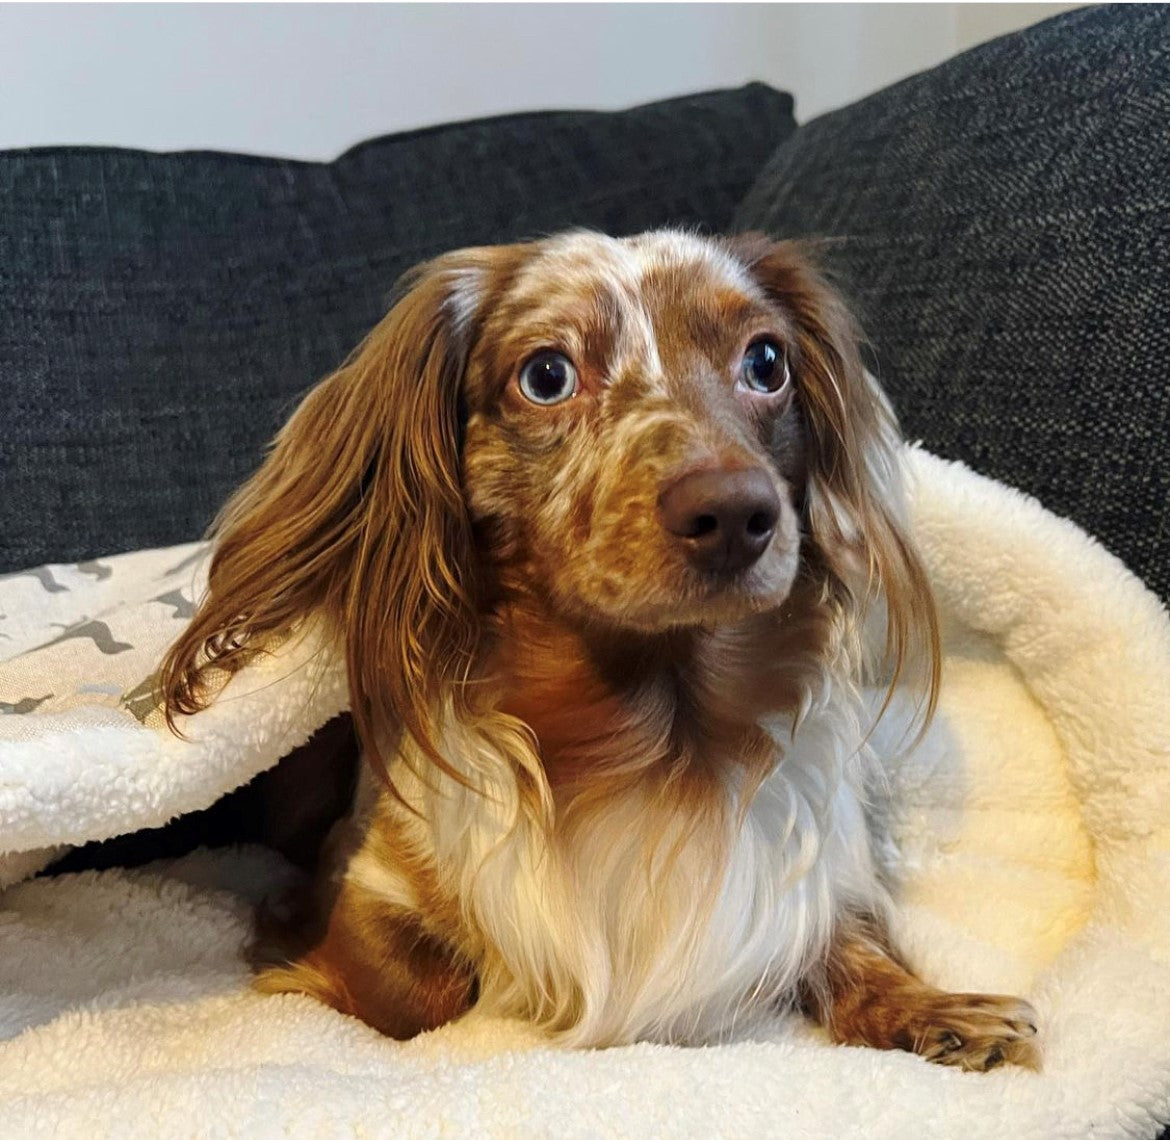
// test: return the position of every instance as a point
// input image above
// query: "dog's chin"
(695, 600)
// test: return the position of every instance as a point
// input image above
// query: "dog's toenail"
(995, 1057)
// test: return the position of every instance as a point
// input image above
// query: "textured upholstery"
(1003, 223)
(160, 314)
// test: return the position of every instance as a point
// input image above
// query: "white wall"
(308, 80)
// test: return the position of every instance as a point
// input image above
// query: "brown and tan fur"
(864, 995)
(563, 708)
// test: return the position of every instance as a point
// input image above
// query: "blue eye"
(548, 378)
(765, 366)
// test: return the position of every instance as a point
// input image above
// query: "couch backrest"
(160, 314)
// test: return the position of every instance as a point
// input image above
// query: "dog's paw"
(977, 1032)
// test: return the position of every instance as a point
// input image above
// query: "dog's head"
(639, 434)
(632, 447)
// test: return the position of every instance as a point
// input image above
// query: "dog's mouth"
(690, 598)
(728, 592)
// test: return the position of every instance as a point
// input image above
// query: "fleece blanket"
(1029, 835)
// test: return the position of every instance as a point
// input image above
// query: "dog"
(597, 524)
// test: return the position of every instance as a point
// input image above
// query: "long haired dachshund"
(597, 524)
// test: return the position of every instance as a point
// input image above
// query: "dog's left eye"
(765, 366)
(548, 378)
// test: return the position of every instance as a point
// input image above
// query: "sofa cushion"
(160, 314)
(1003, 223)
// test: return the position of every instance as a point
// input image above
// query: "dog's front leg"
(369, 960)
(864, 996)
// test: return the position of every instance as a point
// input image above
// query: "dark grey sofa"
(1002, 222)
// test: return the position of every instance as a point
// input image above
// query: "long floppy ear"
(358, 514)
(853, 498)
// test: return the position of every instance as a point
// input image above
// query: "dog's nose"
(723, 519)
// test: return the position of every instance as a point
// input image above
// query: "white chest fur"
(640, 925)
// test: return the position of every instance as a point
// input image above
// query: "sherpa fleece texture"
(1030, 834)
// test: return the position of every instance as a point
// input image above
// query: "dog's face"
(633, 447)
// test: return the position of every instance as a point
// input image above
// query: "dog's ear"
(358, 515)
(853, 495)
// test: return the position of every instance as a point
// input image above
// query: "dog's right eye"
(765, 367)
(548, 378)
